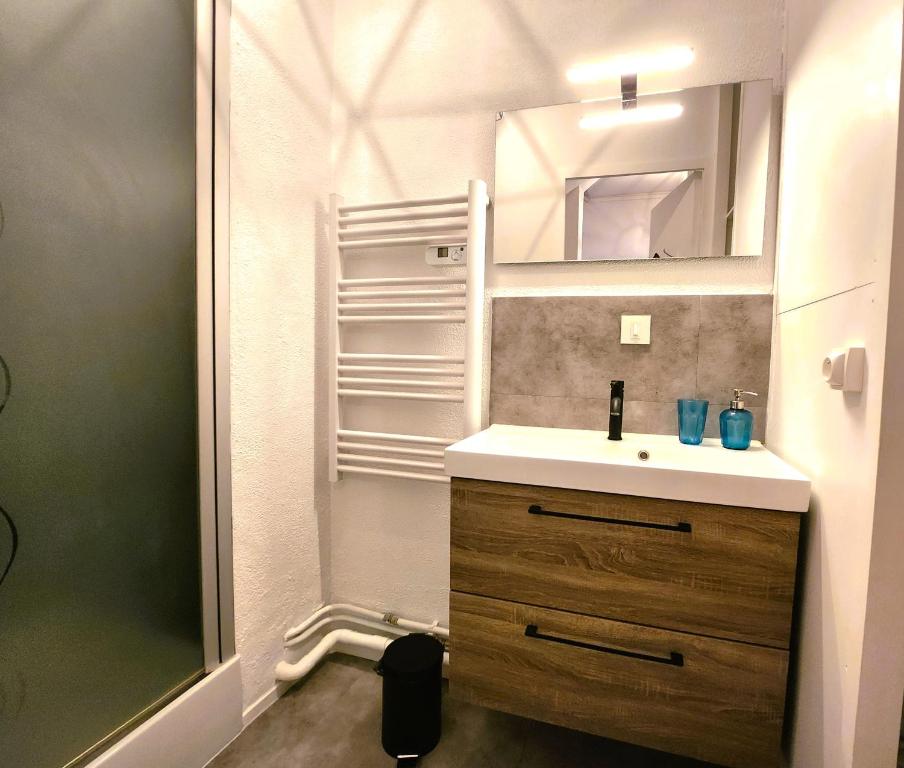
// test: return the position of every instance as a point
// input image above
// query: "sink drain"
(643, 455)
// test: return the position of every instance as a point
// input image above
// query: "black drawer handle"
(674, 659)
(536, 509)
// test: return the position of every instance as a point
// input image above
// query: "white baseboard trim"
(263, 703)
(190, 731)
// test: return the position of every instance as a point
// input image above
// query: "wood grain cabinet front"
(713, 700)
(721, 571)
(662, 623)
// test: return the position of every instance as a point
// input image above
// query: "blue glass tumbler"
(692, 420)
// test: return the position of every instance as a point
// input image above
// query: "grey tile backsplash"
(553, 358)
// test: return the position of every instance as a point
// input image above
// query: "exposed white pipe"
(359, 643)
(326, 610)
(349, 609)
(348, 637)
(348, 640)
(335, 619)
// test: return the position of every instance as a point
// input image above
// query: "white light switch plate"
(635, 329)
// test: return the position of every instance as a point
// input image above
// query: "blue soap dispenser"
(736, 423)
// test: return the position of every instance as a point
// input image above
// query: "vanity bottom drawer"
(714, 700)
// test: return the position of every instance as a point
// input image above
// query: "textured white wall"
(417, 86)
(279, 177)
(835, 247)
(419, 83)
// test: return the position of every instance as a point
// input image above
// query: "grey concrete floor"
(333, 719)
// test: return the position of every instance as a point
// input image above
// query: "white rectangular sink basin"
(639, 465)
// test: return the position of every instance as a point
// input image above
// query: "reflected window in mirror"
(684, 175)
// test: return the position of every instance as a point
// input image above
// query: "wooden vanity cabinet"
(662, 623)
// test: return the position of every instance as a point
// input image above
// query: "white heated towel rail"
(409, 225)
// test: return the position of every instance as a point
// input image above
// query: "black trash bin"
(412, 670)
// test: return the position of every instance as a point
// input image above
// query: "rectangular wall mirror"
(681, 175)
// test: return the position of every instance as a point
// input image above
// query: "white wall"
(882, 669)
(835, 245)
(417, 87)
(419, 83)
(280, 175)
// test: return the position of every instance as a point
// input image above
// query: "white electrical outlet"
(635, 329)
(447, 254)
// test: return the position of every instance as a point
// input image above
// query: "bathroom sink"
(639, 465)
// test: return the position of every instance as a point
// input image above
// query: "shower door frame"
(192, 722)
(212, 237)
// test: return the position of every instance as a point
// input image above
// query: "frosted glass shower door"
(100, 612)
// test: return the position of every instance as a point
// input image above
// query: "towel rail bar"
(360, 434)
(422, 383)
(362, 281)
(414, 203)
(352, 470)
(424, 294)
(394, 395)
(399, 242)
(450, 359)
(411, 463)
(370, 448)
(460, 212)
(447, 372)
(401, 318)
(405, 229)
(384, 306)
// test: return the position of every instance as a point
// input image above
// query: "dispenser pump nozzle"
(737, 404)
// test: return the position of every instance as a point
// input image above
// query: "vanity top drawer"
(720, 571)
(714, 700)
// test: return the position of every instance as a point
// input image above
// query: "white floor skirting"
(190, 731)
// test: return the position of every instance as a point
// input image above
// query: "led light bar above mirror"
(684, 174)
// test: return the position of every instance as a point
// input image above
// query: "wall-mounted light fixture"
(631, 64)
(627, 68)
(613, 117)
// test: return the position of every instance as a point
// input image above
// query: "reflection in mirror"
(638, 216)
(684, 175)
